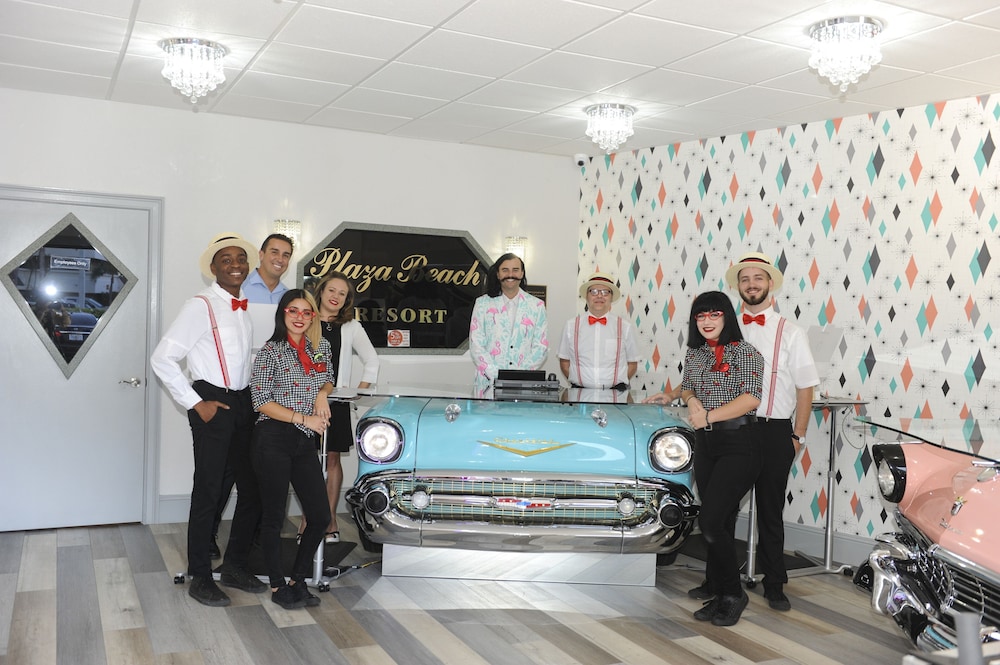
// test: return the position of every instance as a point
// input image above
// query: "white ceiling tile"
(577, 72)
(62, 26)
(737, 17)
(526, 96)
(763, 101)
(272, 86)
(119, 8)
(986, 70)
(446, 49)
(425, 81)
(426, 12)
(61, 83)
(521, 71)
(925, 89)
(515, 140)
(956, 9)
(942, 47)
(265, 109)
(288, 60)
(345, 32)
(674, 88)
(549, 23)
(357, 121)
(645, 40)
(57, 57)
(745, 60)
(386, 103)
(472, 115)
(195, 18)
(432, 130)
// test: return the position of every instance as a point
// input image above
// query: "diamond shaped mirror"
(68, 286)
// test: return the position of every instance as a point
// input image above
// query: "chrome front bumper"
(558, 513)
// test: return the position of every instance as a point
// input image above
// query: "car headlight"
(380, 441)
(891, 465)
(669, 451)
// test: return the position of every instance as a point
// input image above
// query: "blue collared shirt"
(256, 290)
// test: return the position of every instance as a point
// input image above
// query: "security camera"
(580, 159)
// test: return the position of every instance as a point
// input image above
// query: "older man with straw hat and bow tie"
(598, 349)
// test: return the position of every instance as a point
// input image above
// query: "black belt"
(780, 421)
(732, 423)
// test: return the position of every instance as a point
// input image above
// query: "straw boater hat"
(600, 279)
(753, 260)
(222, 241)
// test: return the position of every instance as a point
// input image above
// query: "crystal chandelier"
(845, 49)
(193, 66)
(609, 125)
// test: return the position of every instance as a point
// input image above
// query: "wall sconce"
(289, 227)
(515, 245)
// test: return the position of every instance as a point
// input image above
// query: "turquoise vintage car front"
(523, 475)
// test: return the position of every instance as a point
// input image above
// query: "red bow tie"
(747, 319)
(593, 319)
(239, 304)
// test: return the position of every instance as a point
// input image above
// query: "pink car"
(945, 557)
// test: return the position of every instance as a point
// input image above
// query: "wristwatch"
(800, 439)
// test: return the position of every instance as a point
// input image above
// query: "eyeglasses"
(712, 316)
(295, 313)
(599, 292)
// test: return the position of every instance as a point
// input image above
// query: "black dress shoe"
(701, 592)
(777, 600)
(238, 578)
(730, 609)
(708, 610)
(288, 598)
(207, 592)
(213, 549)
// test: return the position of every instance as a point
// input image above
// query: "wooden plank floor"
(105, 596)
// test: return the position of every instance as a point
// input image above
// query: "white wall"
(219, 173)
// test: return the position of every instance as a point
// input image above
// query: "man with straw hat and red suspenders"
(213, 334)
(785, 406)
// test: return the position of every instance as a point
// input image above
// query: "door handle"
(134, 382)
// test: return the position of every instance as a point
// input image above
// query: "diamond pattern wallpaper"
(885, 226)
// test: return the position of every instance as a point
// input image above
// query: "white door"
(74, 447)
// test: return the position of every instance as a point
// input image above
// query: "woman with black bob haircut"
(721, 387)
(290, 386)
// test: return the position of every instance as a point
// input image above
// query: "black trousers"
(726, 464)
(221, 442)
(777, 453)
(283, 454)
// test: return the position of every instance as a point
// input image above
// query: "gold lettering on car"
(525, 447)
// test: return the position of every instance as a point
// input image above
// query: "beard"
(757, 299)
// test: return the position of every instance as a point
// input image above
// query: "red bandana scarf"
(719, 349)
(307, 364)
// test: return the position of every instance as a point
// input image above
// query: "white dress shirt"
(795, 367)
(599, 349)
(190, 337)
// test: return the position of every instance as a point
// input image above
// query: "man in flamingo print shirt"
(508, 328)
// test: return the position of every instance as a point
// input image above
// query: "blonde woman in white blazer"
(335, 296)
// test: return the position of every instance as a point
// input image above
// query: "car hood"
(526, 437)
(954, 502)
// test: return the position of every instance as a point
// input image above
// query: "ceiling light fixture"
(609, 125)
(289, 227)
(193, 66)
(845, 49)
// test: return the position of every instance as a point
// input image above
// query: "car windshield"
(495, 393)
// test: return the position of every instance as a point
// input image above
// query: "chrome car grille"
(533, 502)
(958, 584)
